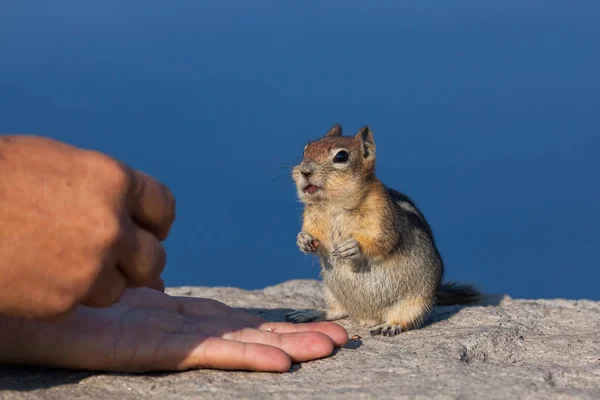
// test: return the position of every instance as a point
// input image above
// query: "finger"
(186, 351)
(337, 333)
(301, 346)
(202, 308)
(107, 289)
(152, 204)
(157, 284)
(142, 257)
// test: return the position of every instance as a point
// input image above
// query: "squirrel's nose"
(306, 173)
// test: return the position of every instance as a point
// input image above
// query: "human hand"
(148, 330)
(76, 226)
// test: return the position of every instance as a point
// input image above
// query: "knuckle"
(118, 179)
(60, 305)
(109, 230)
(160, 260)
(114, 175)
(170, 208)
(87, 276)
(171, 203)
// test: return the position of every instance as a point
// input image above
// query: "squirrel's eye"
(341, 156)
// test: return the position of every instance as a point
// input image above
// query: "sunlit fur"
(395, 278)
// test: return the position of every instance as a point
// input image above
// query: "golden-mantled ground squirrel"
(380, 264)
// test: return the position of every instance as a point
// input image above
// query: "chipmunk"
(379, 262)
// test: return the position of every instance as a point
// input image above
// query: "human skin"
(148, 330)
(76, 227)
(80, 264)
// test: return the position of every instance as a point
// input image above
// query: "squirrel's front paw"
(306, 243)
(348, 249)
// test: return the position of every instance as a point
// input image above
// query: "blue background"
(485, 113)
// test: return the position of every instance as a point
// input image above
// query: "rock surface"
(544, 349)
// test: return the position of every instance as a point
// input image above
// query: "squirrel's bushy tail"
(451, 293)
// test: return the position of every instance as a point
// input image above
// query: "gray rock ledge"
(506, 349)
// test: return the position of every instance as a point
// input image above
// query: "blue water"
(486, 113)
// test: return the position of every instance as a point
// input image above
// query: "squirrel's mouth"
(310, 188)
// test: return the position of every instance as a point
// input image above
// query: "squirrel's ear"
(336, 130)
(365, 135)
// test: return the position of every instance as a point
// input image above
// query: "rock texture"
(506, 349)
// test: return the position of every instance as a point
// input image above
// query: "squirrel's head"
(336, 167)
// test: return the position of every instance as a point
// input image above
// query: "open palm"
(148, 330)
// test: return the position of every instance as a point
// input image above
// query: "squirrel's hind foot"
(407, 315)
(387, 330)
